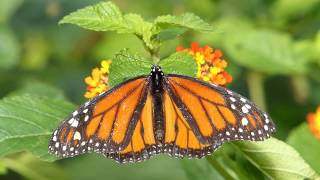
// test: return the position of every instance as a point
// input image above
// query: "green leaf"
(199, 169)
(3, 168)
(106, 16)
(32, 168)
(284, 10)
(26, 123)
(179, 63)
(306, 144)
(9, 48)
(125, 66)
(276, 159)
(170, 33)
(187, 20)
(265, 51)
(40, 89)
(8, 8)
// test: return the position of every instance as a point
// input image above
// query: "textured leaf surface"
(126, 66)
(277, 160)
(26, 123)
(187, 20)
(106, 16)
(306, 144)
(179, 63)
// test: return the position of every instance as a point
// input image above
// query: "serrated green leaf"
(32, 168)
(179, 63)
(106, 16)
(125, 66)
(265, 51)
(276, 159)
(9, 48)
(26, 123)
(306, 144)
(3, 168)
(187, 20)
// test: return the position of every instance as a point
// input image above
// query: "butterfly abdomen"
(157, 95)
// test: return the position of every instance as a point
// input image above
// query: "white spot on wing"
(244, 121)
(75, 113)
(243, 99)
(244, 109)
(75, 123)
(71, 121)
(233, 99)
(77, 135)
(86, 118)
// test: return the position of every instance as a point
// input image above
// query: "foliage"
(277, 40)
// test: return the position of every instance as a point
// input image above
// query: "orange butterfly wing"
(216, 114)
(104, 124)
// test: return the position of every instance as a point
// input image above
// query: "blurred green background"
(269, 44)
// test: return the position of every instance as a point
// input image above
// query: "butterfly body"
(160, 113)
(156, 76)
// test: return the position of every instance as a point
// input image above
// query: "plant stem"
(154, 52)
(255, 83)
(300, 88)
(217, 166)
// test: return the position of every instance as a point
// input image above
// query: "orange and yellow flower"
(314, 122)
(211, 66)
(98, 81)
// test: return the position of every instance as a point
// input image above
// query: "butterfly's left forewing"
(104, 124)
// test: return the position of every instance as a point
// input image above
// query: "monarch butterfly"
(159, 113)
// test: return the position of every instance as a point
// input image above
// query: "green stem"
(217, 166)
(154, 52)
(300, 88)
(255, 83)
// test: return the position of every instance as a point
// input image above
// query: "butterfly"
(158, 113)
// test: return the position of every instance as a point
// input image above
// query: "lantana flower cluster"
(211, 65)
(98, 81)
(314, 122)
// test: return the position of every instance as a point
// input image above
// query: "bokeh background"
(272, 46)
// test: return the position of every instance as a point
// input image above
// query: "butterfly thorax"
(157, 94)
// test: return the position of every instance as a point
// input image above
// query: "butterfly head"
(156, 69)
